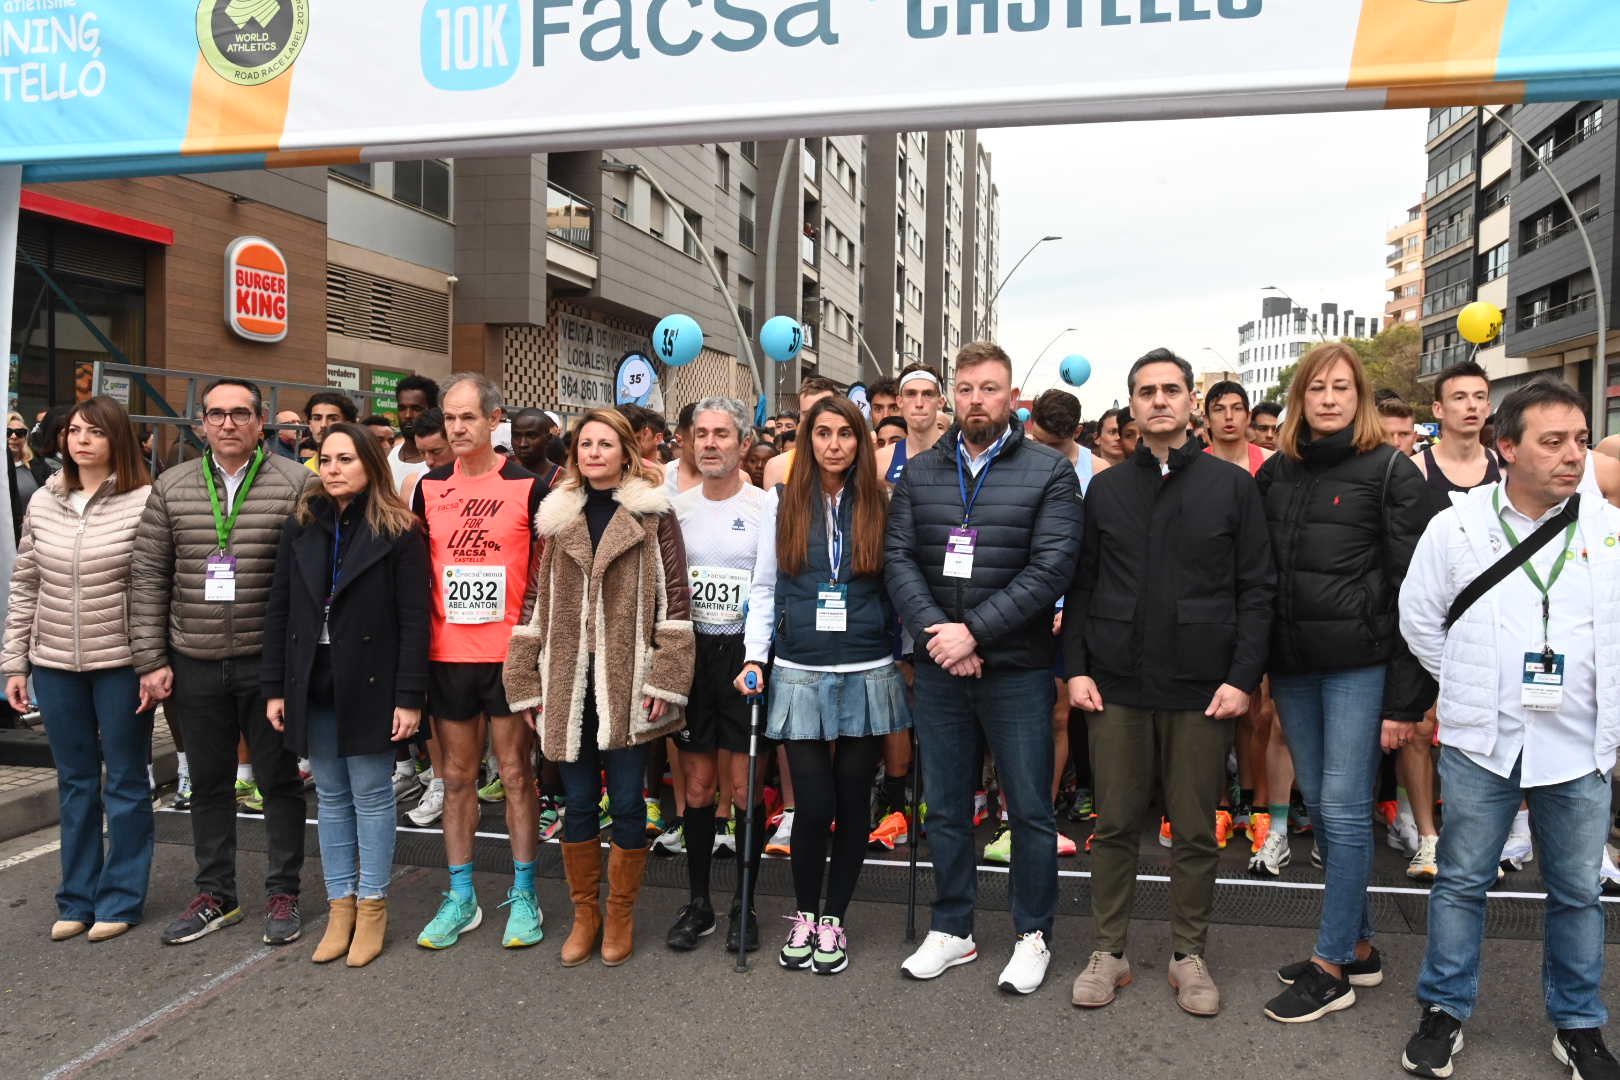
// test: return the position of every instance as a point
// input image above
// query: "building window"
(745, 216)
(1493, 264)
(749, 151)
(1452, 161)
(692, 233)
(424, 185)
(1441, 119)
(355, 174)
(722, 169)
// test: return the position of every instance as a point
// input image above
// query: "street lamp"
(744, 342)
(1218, 355)
(1316, 327)
(984, 319)
(1036, 362)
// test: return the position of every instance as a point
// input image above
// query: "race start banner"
(120, 87)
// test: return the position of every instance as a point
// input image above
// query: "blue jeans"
(1015, 709)
(355, 815)
(1570, 822)
(1333, 723)
(582, 784)
(90, 719)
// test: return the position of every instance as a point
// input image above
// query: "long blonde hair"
(1367, 430)
(385, 513)
(632, 466)
(27, 455)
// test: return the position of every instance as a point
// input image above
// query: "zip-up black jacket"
(1029, 518)
(1343, 538)
(1176, 582)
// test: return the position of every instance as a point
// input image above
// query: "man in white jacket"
(1529, 710)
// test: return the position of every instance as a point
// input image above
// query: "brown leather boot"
(624, 885)
(339, 930)
(370, 924)
(582, 862)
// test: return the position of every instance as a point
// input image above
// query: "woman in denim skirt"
(818, 600)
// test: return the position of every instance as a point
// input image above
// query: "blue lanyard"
(337, 561)
(961, 474)
(836, 534)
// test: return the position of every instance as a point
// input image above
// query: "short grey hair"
(732, 408)
(489, 395)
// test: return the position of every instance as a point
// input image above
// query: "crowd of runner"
(1244, 615)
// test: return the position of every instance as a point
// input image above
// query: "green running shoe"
(604, 820)
(801, 943)
(493, 792)
(523, 920)
(655, 817)
(550, 817)
(999, 849)
(248, 796)
(455, 917)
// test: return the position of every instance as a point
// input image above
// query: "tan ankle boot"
(370, 924)
(582, 862)
(339, 930)
(624, 885)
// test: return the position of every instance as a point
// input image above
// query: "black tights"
(830, 785)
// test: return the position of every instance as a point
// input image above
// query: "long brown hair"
(1367, 430)
(802, 495)
(385, 513)
(632, 466)
(123, 448)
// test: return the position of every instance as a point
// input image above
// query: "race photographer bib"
(474, 594)
(719, 594)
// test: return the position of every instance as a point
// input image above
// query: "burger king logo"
(256, 289)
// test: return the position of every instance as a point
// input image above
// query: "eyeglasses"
(17, 433)
(238, 417)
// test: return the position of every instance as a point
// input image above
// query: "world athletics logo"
(249, 42)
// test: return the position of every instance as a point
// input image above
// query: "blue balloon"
(1023, 415)
(677, 339)
(781, 338)
(1075, 370)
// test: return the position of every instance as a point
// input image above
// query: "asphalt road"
(228, 1006)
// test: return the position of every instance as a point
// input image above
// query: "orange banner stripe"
(1408, 42)
(230, 119)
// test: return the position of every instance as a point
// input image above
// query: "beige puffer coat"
(172, 547)
(70, 589)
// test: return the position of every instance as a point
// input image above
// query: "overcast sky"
(1171, 229)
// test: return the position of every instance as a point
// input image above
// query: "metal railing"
(1545, 152)
(1445, 299)
(1563, 228)
(1531, 320)
(190, 413)
(1437, 360)
(1448, 236)
(569, 218)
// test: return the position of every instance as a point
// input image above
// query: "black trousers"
(214, 702)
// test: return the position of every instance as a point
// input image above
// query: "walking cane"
(751, 680)
(911, 832)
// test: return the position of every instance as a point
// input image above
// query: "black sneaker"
(282, 924)
(1439, 1037)
(1313, 994)
(202, 917)
(694, 922)
(734, 930)
(1583, 1051)
(1368, 972)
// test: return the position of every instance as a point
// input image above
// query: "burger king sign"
(255, 289)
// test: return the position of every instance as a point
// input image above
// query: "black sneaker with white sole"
(693, 923)
(282, 922)
(734, 930)
(1439, 1038)
(1368, 972)
(1583, 1051)
(205, 914)
(1312, 995)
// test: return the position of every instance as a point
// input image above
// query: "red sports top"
(1257, 458)
(481, 544)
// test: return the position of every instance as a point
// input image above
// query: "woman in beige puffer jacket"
(68, 626)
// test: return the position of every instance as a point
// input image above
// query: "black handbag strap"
(1498, 571)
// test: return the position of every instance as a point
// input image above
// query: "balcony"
(1549, 152)
(1449, 236)
(809, 166)
(807, 250)
(1541, 317)
(1394, 258)
(1454, 296)
(1564, 228)
(569, 218)
(1436, 361)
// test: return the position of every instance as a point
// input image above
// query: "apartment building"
(1403, 301)
(1285, 331)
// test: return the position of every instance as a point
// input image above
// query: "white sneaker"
(1610, 875)
(1403, 836)
(781, 841)
(1517, 851)
(1026, 970)
(1423, 866)
(431, 808)
(939, 951)
(1273, 856)
(405, 780)
(725, 838)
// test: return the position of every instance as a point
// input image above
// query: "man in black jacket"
(1164, 639)
(984, 534)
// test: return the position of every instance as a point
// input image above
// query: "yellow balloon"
(1479, 322)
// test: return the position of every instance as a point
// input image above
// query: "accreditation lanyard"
(960, 544)
(331, 592)
(1535, 579)
(835, 536)
(223, 524)
(978, 483)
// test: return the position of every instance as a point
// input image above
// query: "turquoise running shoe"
(523, 920)
(454, 918)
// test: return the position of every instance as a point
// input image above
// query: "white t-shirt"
(722, 543)
(403, 470)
